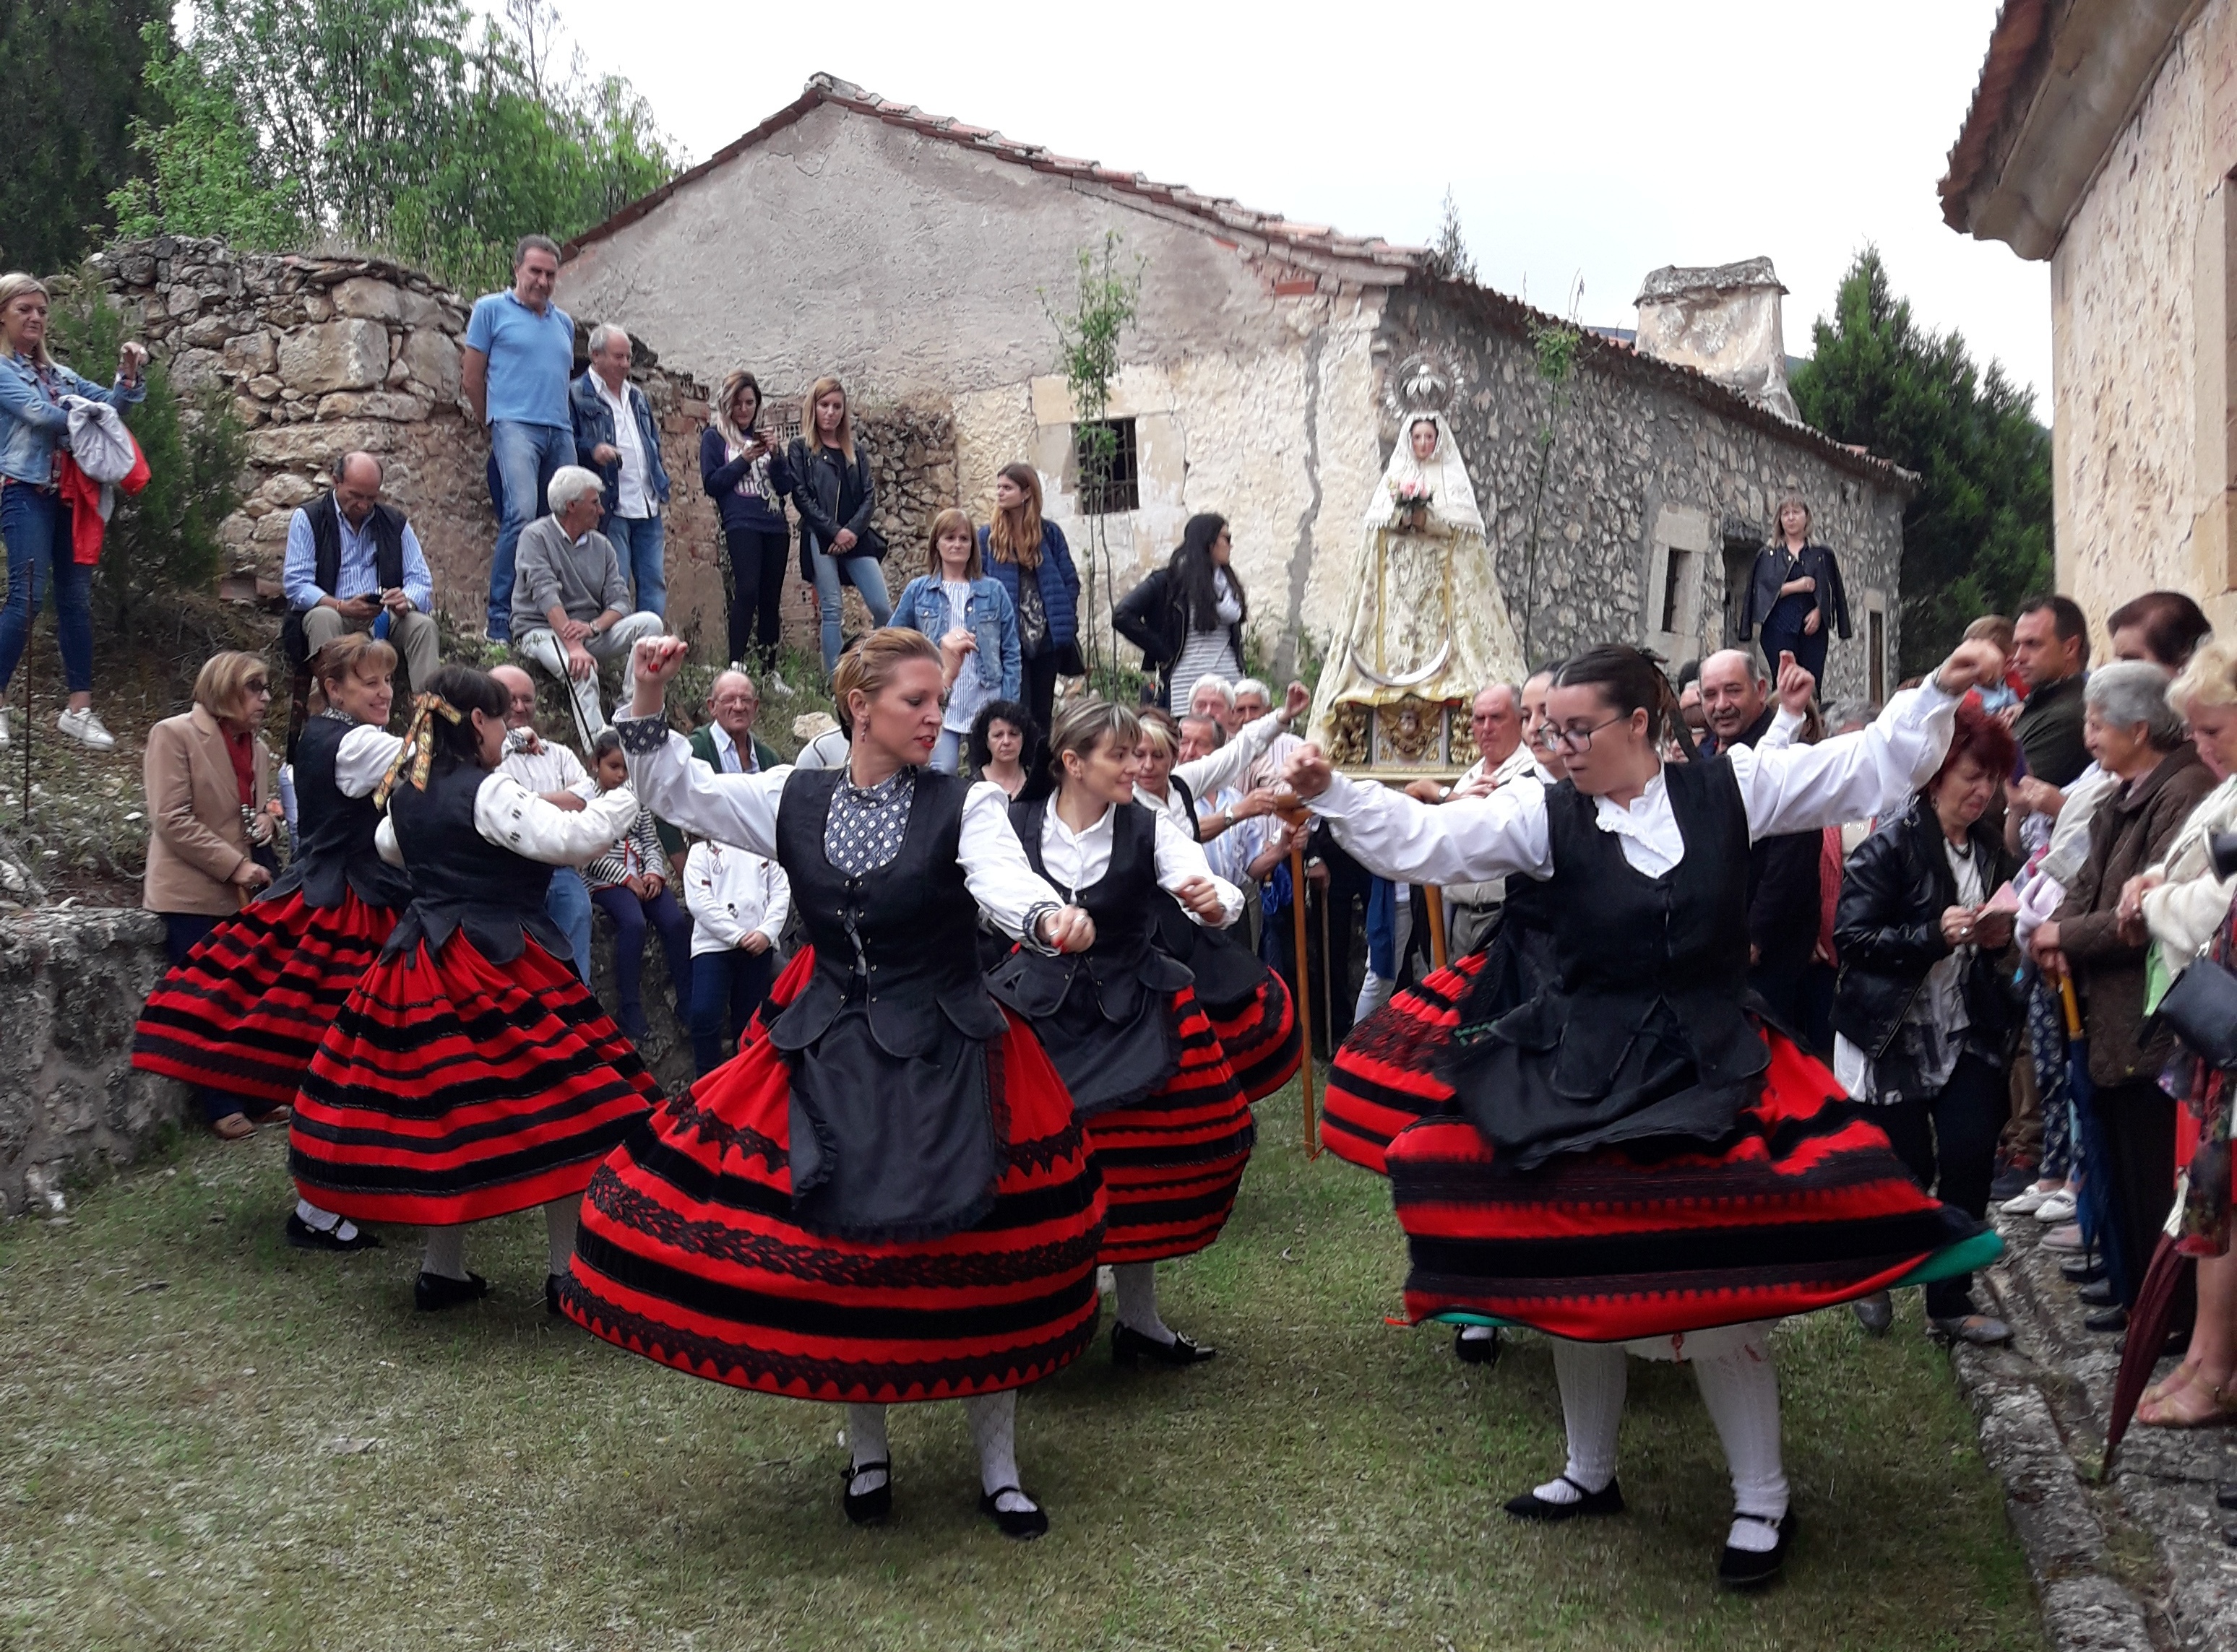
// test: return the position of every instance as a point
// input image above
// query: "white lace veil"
(1452, 497)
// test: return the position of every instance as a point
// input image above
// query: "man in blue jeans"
(520, 353)
(615, 438)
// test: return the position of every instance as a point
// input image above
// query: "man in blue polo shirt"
(520, 353)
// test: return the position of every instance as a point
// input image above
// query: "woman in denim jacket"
(34, 518)
(953, 598)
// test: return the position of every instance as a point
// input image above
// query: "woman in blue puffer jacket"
(34, 518)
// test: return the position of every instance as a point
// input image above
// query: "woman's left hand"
(1201, 897)
(1296, 702)
(130, 360)
(1810, 623)
(1068, 929)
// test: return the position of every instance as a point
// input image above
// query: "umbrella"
(2147, 1324)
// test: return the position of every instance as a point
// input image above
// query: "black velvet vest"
(1124, 903)
(460, 880)
(333, 833)
(1625, 933)
(900, 938)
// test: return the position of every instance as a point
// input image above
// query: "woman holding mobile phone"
(748, 478)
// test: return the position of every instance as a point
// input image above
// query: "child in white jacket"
(738, 904)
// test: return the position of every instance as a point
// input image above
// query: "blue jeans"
(947, 756)
(526, 455)
(865, 576)
(630, 916)
(36, 525)
(567, 902)
(642, 544)
(727, 988)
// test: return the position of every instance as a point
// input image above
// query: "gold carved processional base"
(1409, 738)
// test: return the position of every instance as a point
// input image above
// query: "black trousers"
(754, 583)
(1948, 1142)
(1039, 671)
(2137, 1124)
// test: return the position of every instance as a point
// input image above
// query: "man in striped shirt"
(556, 775)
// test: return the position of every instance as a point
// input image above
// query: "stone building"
(918, 259)
(2102, 137)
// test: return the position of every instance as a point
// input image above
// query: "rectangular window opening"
(1677, 565)
(1875, 652)
(1109, 467)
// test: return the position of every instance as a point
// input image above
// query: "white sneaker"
(2056, 1207)
(3, 728)
(85, 728)
(2025, 1202)
(777, 687)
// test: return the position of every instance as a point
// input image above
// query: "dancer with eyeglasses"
(1635, 1161)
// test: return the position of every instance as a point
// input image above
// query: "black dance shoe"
(1530, 1506)
(1478, 1350)
(2116, 1318)
(870, 1508)
(1745, 1568)
(1023, 1524)
(1129, 1347)
(303, 1236)
(432, 1292)
(2083, 1270)
(551, 1294)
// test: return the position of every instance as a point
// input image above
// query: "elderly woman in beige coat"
(2185, 906)
(209, 779)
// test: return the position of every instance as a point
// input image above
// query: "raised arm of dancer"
(1464, 842)
(739, 809)
(995, 869)
(1181, 861)
(362, 760)
(1216, 771)
(1849, 777)
(509, 814)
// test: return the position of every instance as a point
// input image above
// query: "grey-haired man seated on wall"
(570, 599)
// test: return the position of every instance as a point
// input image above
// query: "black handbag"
(2199, 1008)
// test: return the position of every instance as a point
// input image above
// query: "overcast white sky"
(1592, 140)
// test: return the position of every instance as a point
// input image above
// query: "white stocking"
(446, 1255)
(1591, 1376)
(559, 1217)
(866, 1440)
(1741, 1390)
(994, 1419)
(325, 1222)
(1137, 1299)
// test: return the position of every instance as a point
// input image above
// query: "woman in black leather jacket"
(1924, 1015)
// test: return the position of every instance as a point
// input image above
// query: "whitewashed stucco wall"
(2141, 343)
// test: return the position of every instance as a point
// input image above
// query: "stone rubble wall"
(321, 354)
(72, 980)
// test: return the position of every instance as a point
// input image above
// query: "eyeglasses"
(259, 687)
(1576, 740)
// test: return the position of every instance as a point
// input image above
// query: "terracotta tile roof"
(1218, 210)
(2018, 47)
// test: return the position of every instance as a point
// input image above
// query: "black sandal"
(869, 1508)
(1023, 1524)
(1752, 1568)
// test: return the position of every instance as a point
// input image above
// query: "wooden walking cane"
(1434, 899)
(1296, 815)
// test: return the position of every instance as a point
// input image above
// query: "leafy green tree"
(73, 90)
(1976, 537)
(406, 126)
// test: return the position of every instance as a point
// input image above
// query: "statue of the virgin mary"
(1425, 624)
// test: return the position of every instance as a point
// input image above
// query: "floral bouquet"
(1407, 497)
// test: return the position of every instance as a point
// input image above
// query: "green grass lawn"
(184, 1463)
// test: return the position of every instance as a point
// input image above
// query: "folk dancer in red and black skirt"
(471, 1074)
(245, 1010)
(1247, 1003)
(1169, 1128)
(1385, 1074)
(1638, 1162)
(884, 1196)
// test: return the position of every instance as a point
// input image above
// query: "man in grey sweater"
(570, 599)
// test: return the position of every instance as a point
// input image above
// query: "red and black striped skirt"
(1172, 1163)
(1264, 1043)
(689, 1255)
(1805, 1206)
(1384, 1075)
(453, 1090)
(244, 1011)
